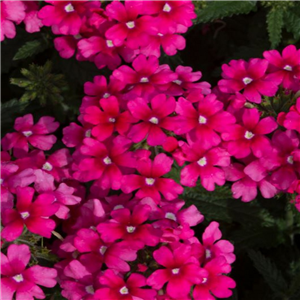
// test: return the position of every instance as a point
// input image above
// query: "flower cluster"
(118, 31)
(15, 12)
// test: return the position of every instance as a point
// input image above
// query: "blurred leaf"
(292, 21)
(212, 10)
(269, 271)
(275, 24)
(30, 48)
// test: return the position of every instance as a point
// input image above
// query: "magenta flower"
(249, 137)
(115, 287)
(202, 164)
(129, 226)
(291, 120)
(11, 11)
(215, 282)
(31, 20)
(105, 162)
(181, 271)
(29, 133)
(66, 45)
(108, 118)
(285, 68)
(66, 16)
(153, 119)
(203, 123)
(150, 183)
(75, 134)
(147, 77)
(34, 215)
(24, 282)
(214, 247)
(250, 77)
(130, 27)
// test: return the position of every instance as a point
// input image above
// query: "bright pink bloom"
(116, 288)
(66, 45)
(150, 183)
(75, 134)
(202, 164)
(24, 282)
(32, 22)
(107, 118)
(181, 271)
(11, 11)
(130, 28)
(250, 77)
(248, 179)
(203, 123)
(30, 133)
(213, 247)
(129, 226)
(34, 215)
(147, 77)
(114, 255)
(214, 282)
(170, 14)
(153, 119)
(291, 120)
(250, 135)
(285, 68)
(105, 162)
(66, 16)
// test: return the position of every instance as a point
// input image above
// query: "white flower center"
(204, 280)
(18, 278)
(290, 159)
(109, 43)
(112, 120)
(144, 79)
(130, 24)
(150, 181)
(120, 206)
(287, 68)
(170, 216)
(177, 81)
(24, 215)
(202, 120)
(102, 250)
(47, 166)
(202, 162)
(247, 80)
(88, 133)
(153, 120)
(69, 8)
(106, 95)
(160, 34)
(207, 253)
(90, 289)
(249, 135)
(107, 160)
(27, 133)
(167, 8)
(124, 290)
(175, 271)
(130, 229)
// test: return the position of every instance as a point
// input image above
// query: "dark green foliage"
(30, 48)
(275, 24)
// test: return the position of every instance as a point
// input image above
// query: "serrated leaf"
(269, 271)
(220, 9)
(29, 49)
(219, 205)
(275, 24)
(292, 22)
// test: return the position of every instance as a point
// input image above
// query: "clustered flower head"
(127, 234)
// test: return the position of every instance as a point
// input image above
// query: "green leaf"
(275, 24)
(213, 10)
(270, 272)
(219, 205)
(29, 49)
(292, 22)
